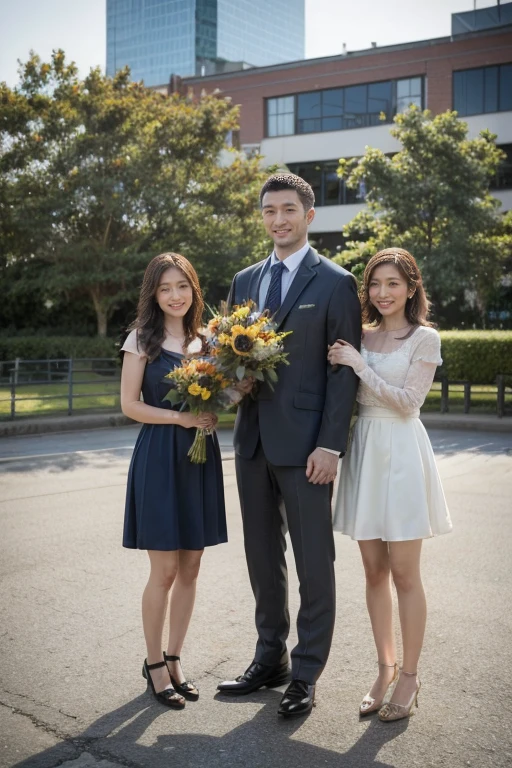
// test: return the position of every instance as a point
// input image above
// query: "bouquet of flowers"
(246, 343)
(201, 386)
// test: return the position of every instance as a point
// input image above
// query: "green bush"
(54, 347)
(476, 356)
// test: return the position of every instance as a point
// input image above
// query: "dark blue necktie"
(273, 300)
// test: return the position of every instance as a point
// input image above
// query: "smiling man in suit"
(288, 442)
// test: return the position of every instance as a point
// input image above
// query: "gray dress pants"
(261, 486)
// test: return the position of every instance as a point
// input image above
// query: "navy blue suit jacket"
(312, 402)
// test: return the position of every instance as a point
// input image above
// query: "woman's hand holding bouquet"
(244, 347)
(201, 386)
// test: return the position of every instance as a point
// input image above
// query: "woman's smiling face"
(388, 290)
(174, 294)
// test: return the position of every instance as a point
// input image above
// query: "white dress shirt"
(292, 264)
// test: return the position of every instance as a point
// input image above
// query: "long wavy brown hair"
(150, 321)
(417, 307)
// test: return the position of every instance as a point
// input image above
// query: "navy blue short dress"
(171, 503)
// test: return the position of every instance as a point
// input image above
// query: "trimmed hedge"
(475, 356)
(53, 347)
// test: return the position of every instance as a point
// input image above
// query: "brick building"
(307, 114)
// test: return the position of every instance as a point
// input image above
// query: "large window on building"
(338, 109)
(281, 116)
(487, 89)
(342, 108)
(329, 189)
(409, 91)
(320, 111)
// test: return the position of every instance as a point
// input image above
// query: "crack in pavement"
(212, 670)
(105, 754)
(35, 721)
(116, 637)
(222, 661)
(39, 703)
(79, 744)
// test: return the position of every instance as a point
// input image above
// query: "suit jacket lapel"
(305, 274)
(254, 282)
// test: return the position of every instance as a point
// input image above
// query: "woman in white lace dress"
(390, 496)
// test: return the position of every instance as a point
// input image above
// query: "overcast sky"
(78, 26)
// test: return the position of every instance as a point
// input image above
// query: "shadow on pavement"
(449, 442)
(66, 462)
(262, 742)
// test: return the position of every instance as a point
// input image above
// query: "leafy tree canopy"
(432, 198)
(99, 175)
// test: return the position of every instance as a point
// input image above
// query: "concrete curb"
(43, 425)
(467, 422)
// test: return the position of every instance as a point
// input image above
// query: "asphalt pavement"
(71, 640)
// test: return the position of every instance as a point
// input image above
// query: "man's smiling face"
(285, 219)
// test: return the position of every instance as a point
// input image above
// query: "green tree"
(500, 295)
(432, 198)
(99, 175)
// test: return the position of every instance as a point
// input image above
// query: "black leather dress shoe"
(298, 699)
(257, 676)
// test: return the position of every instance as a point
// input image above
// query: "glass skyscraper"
(157, 38)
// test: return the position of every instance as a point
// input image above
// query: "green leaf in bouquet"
(258, 375)
(240, 372)
(173, 396)
(272, 375)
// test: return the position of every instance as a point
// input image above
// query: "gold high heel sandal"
(369, 704)
(392, 711)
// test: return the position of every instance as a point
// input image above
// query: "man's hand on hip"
(322, 467)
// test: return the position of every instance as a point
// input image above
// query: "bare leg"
(182, 604)
(405, 566)
(380, 607)
(164, 566)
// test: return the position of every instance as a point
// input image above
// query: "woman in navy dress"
(174, 509)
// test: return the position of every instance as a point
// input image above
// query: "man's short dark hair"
(280, 181)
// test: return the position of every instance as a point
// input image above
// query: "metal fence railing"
(41, 387)
(57, 385)
(473, 392)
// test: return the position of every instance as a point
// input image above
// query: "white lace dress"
(389, 486)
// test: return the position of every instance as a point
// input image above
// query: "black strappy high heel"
(168, 696)
(186, 689)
